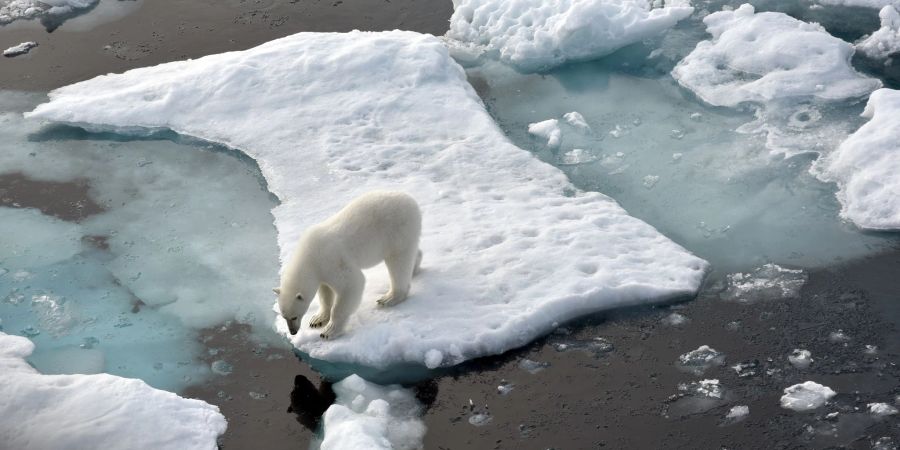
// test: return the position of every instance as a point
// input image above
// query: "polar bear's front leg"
(326, 302)
(348, 295)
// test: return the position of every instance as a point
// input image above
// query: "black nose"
(292, 326)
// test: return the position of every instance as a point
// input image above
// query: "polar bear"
(329, 259)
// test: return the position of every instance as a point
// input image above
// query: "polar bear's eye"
(299, 297)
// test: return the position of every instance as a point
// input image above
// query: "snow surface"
(761, 57)
(886, 40)
(20, 49)
(369, 416)
(538, 35)
(866, 167)
(45, 412)
(806, 396)
(12, 10)
(330, 116)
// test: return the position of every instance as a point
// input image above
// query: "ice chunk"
(370, 416)
(532, 366)
(433, 358)
(697, 361)
(800, 359)
(675, 319)
(575, 119)
(538, 35)
(703, 388)
(886, 40)
(769, 281)
(20, 49)
(576, 156)
(95, 411)
(737, 413)
(51, 10)
(806, 396)
(547, 129)
(761, 57)
(485, 287)
(866, 167)
(882, 409)
(838, 337)
(505, 387)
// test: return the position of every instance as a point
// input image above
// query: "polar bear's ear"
(277, 291)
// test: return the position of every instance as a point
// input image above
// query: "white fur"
(329, 259)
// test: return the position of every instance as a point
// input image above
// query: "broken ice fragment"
(531, 366)
(770, 281)
(480, 419)
(675, 320)
(547, 129)
(806, 396)
(221, 367)
(575, 119)
(838, 337)
(697, 361)
(737, 413)
(20, 49)
(800, 358)
(703, 388)
(882, 409)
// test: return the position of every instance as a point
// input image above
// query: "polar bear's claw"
(328, 332)
(390, 299)
(318, 320)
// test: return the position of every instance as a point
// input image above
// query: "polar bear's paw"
(329, 331)
(319, 320)
(391, 298)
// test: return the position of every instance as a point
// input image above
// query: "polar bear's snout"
(293, 324)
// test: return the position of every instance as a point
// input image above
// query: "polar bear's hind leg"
(326, 302)
(400, 268)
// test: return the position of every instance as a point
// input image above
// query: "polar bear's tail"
(418, 263)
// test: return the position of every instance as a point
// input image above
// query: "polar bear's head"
(293, 301)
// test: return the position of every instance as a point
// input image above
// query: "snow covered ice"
(886, 40)
(538, 35)
(20, 49)
(486, 286)
(369, 416)
(43, 412)
(806, 396)
(52, 10)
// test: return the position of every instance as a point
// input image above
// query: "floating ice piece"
(575, 119)
(675, 319)
(697, 361)
(480, 419)
(769, 56)
(20, 49)
(866, 166)
(576, 156)
(505, 387)
(597, 346)
(95, 411)
(746, 369)
(12, 10)
(882, 409)
(221, 367)
(886, 40)
(494, 214)
(838, 337)
(547, 129)
(769, 281)
(532, 366)
(703, 388)
(737, 413)
(370, 416)
(806, 396)
(800, 359)
(538, 35)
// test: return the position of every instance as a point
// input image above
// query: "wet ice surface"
(183, 241)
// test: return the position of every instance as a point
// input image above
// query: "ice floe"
(42, 412)
(699, 360)
(538, 35)
(760, 57)
(866, 166)
(886, 40)
(12, 10)
(370, 416)
(329, 116)
(767, 282)
(19, 49)
(806, 396)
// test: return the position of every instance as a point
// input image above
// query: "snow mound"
(538, 35)
(370, 416)
(12, 10)
(866, 166)
(45, 412)
(769, 56)
(886, 40)
(806, 396)
(330, 116)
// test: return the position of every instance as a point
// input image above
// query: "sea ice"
(800, 359)
(770, 281)
(882, 409)
(95, 411)
(485, 287)
(886, 40)
(547, 129)
(806, 396)
(12, 10)
(369, 416)
(866, 167)
(20, 49)
(697, 361)
(761, 57)
(537, 35)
